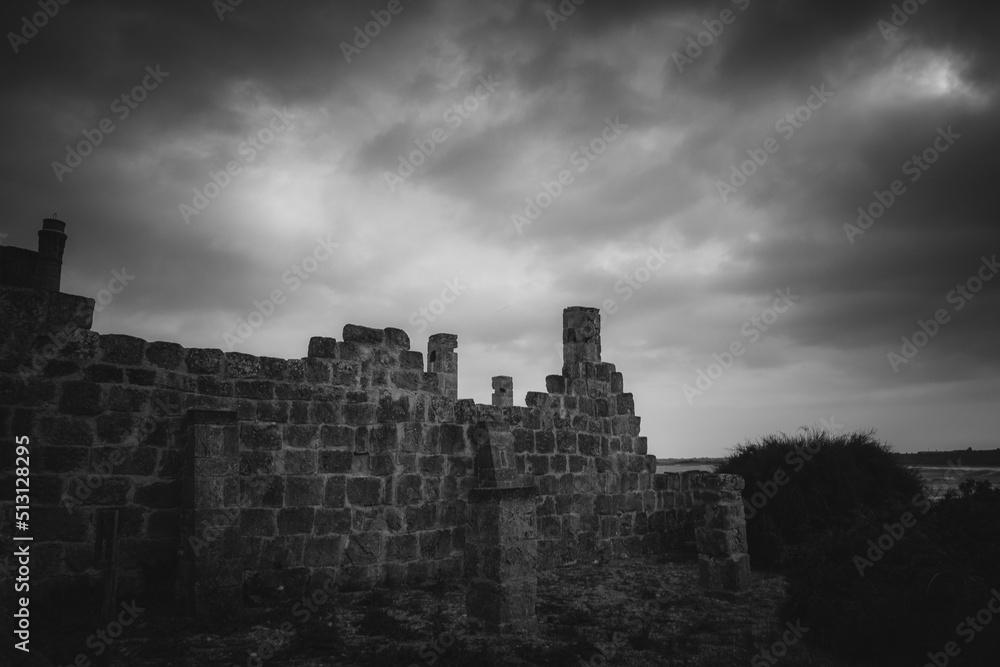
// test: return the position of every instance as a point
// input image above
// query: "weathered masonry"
(236, 474)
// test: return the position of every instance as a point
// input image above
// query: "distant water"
(682, 468)
(942, 478)
(939, 478)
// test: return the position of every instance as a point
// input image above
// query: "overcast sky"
(513, 158)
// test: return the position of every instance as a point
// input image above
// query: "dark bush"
(881, 575)
(799, 487)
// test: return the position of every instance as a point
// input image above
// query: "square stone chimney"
(41, 269)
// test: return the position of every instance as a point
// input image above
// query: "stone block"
(159, 495)
(364, 549)
(365, 491)
(260, 436)
(320, 347)
(324, 551)
(408, 489)
(335, 461)
(283, 552)
(257, 463)
(401, 547)
(298, 462)
(213, 386)
(256, 389)
(165, 355)
(336, 491)
(359, 414)
(81, 398)
(258, 522)
(452, 439)
(354, 333)
(566, 441)
(104, 373)
(296, 520)
(331, 436)
(239, 365)
(262, 491)
(412, 360)
(122, 350)
(333, 520)
(384, 438)
(204, 361)
(304, 490)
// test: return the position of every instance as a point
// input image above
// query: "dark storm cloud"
(559, 82)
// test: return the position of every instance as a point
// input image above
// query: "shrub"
(798, 487)
(869, 605)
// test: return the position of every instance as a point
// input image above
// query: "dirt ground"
(646, 611)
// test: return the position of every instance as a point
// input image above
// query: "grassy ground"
(655, 606)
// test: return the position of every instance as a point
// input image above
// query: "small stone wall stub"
(720, 533)
(501, 542)
(503, 391)
(211, 513)
(501, 558)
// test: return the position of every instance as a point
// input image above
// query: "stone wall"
(268, 474)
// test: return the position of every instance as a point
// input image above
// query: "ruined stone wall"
(354, 462)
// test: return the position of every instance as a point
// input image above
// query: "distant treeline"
(958, 457)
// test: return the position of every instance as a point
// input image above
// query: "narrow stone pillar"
(501, 542)
(51, 244)
(210, 524)
(581, 337)
(721, 534)
(503, 391)
(443, 360)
